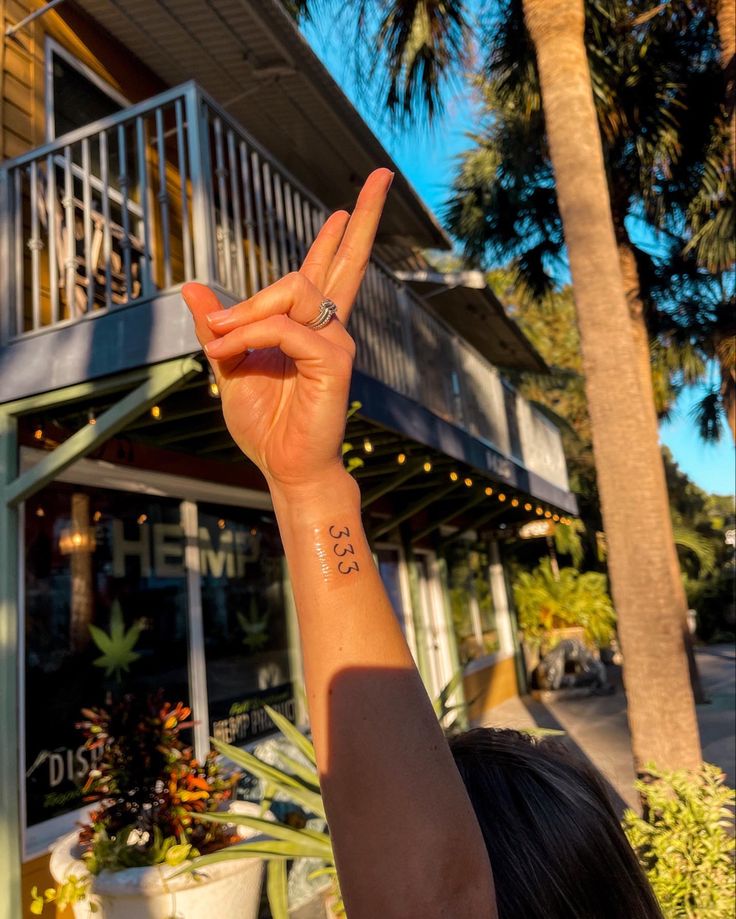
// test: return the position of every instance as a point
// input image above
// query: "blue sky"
(427, 157)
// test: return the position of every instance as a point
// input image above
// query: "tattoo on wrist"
(343, 549)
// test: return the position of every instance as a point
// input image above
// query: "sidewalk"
(597, 725)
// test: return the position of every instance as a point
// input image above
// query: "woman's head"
(555, 843)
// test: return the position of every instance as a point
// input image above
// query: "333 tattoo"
(343, 550)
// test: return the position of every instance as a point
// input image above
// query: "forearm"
(391, 788)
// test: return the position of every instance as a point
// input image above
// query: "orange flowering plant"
(149, 788)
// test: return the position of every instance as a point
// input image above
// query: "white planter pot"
(229, 889)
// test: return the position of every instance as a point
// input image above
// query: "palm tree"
(634, 504)
(657, 79)
(631, 483)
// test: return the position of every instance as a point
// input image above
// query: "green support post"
(10, 767)
(157, 382)
(457, 667)
(420, 632)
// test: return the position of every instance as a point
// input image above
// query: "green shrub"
(545, 601)
(686, 842)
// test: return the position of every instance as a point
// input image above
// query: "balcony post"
(7, 299)
(407, 335)
(203, 235)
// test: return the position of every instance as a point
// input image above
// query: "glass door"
(434, 621)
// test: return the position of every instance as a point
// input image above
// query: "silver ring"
(327, 311)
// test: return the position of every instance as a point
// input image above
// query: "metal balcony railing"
(128, 208)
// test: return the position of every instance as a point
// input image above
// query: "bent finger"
(201, 302)
(303, 345)
(293, 294)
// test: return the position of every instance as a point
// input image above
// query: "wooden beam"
(99, 387)
(455, 512)
(162, 379)
(412, 509)
(389, 484)
(486, 518)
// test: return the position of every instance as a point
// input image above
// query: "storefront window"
(244, 622)
(473, 617)
(389, 567)
(106, 614)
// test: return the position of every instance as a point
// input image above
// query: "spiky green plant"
(279, 842)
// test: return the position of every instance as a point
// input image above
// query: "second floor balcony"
(101, 227)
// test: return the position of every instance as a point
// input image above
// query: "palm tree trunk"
(727, 33)
(629, 466)
(640, 332)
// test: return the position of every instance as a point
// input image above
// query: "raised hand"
(284, 387)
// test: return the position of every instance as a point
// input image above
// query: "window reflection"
(471, 604)
(244, 620)
(105, 612)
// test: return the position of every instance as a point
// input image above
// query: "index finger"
(354, 252)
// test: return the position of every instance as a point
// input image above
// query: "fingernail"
(214, 348)
(218, 317)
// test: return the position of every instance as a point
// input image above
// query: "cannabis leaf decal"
(117, 645)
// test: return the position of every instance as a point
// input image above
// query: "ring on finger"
(327, 312)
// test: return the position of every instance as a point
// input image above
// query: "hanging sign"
(537, 528)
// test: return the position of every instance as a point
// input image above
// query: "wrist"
(334, 488)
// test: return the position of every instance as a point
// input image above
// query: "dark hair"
(556, 846)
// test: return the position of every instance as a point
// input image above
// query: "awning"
(465, 302)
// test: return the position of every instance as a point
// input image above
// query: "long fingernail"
(218, 317)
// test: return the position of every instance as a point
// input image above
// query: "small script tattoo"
(343, 549)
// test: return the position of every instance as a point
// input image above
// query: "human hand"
(284, 387)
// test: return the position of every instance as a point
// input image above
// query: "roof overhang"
(465, 302)
(251, 57)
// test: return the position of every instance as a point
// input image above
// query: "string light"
(502, 497)
(514, 502)
(556, 518)
(454, 477)
(212, 388)
(468, 482)
(221, 523)
(97, 516)
(38, 434)
(548, 514)
(142, 519)
(40, 512)
(401, 459)
(427, 467)
(156, 411)
(527, 506)
(489, 490)
(538, 511)
(91, 417)
(367, 446)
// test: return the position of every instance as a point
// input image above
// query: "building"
(143, 146)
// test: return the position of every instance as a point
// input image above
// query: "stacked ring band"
(327, 311)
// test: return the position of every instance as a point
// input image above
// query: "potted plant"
(148, 789)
